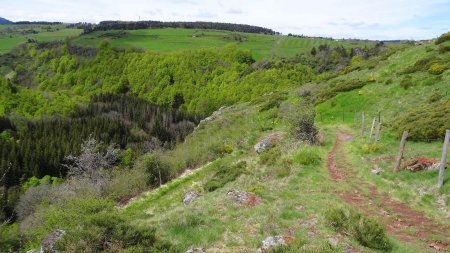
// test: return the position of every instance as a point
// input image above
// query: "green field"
(13, 35)
(171, 39)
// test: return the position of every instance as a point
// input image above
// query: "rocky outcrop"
(189, 197)
(245, 199)
(196, 250)
(420, 163)
(49, 242)
(376, 170)
(267, 142)
(273, 242)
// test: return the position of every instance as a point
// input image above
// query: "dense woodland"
(134, 25)
(38, 147)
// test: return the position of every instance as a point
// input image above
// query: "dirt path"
(398, 217)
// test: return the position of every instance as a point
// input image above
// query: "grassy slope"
(171, 39)
(242, 229)
(14, 37)
(418, 189)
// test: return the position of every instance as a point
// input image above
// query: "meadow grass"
(13, 35)
(173, 39)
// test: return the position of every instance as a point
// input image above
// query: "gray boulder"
(189, 197)
(267, 142)
(271, 242)
(49, 242)
(196, 250)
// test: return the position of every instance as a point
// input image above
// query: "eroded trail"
(404, 223)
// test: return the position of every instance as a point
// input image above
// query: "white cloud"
(382, 19)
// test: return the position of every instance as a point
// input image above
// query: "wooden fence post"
(443, 159)
(377, 137)
(400, 152)
(362, 124)
(379, 117)
(371, 130)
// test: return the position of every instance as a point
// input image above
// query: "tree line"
(38, 147)
(134, 25)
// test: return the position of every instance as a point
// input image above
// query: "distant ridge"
(4, 21)
(134, 25)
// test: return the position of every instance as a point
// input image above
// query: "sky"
(363, 19)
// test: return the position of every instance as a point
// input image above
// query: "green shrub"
(443, 38)
(224, 175)
(125, 183)
(371, 148)
(367, 231)
(159, 167)
(442, 49)
(334, 87)
(127, 157)
(435, 97)
(426, 122)
(34, 181)
(10, 239)
(91, 225)
(300, 246)
(307, 156)
(406, 82)
(436, 68)
(227, 149)
(420, 65)
(270, 157)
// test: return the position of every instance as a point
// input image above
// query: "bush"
(270, 157)
(436, 68)
(307, 156)
(332, 88)
(443, 38)
(302, 120)
(159, 168)
(10, 239)
(442, 49)
(299, 246)
(435, 97)
(420, 65)
(367, 231)
(406, 83)
(371, 148)
(91, 225)
(225, 175)
(426, 122)
(31, 199)
(126, 183)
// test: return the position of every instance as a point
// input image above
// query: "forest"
(134, 25)
(38, 147)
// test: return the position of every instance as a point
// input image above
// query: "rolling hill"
(4, 21)
(279, 157)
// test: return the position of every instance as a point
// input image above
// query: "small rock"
(376, 170)
(196, 250)
(301, 208)
(34, 251)
(333, 241)
(189, 197)
(267, 143)
(272, 242)
(434, 166)
(49, 242)
(246, 199)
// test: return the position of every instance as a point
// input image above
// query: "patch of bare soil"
(401, 220)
